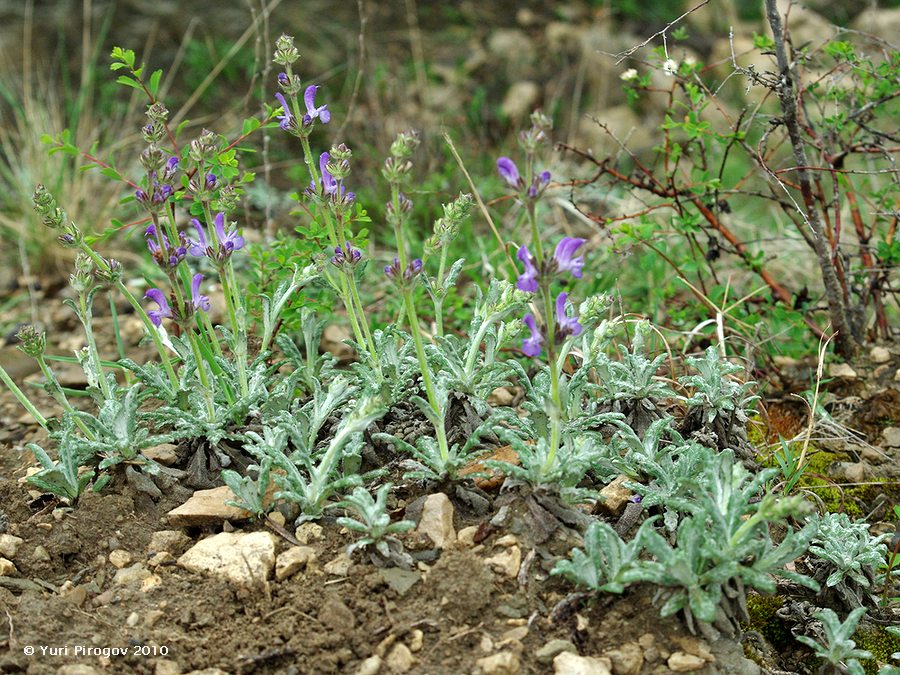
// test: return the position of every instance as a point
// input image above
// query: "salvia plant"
(836, 647)
(374, 524)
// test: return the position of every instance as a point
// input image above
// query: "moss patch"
(763, 620)
(878, 641)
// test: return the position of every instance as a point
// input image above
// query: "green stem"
(439, 298)
(22, 398)
(94, 354)
(120, 347)
(60, 396)
(201, 372)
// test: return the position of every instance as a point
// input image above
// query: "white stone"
(437, 520)
(293, 560)
(502, 663)
(626, 659)
(339, 566)
(568, 663)
(7, 568)
(466, 536)
(370, 666)
(9, 545)
(520, 99)
(891, 437)
(308, 532)
(506, 563)
(131, 575)
(244, 559)
(615, 496)
(207, 507)
(879, 355)
(171, 541)
(119, 558)
(842, 371)
(400, 659)
(682, 662)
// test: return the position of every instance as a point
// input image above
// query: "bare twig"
(621, 56)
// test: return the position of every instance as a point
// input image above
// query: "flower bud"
(158, 113)
(31, 341)
(285, 51)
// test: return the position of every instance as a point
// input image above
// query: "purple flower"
(162, 251)
(198, 247)
(283, 79)
(412, 270)
(228, 241)
(393, 270)
(211, 181)
(164, 311)
(528, 280)
(564, 256)
(508, 171)
(565, 325)
(312, 112)
(532, 345)
(538, 184)
(345, 255)
(329, 184)
(197, 300)
(286, 120)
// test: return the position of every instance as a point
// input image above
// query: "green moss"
(878, 641)
(763, 620)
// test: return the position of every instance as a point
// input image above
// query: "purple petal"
(508, 171)
(309, 98)
(197, 300)
(564, 256)
(532, 345)
(528, 280)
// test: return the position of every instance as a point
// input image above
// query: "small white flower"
(670, 67)
(629, 75)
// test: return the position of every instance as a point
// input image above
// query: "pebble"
(400, 659)
(164, 454)
(416, 640)
(339, 566)
(40, 554)
(167, 667)
(696, 647)
(133, 575)
(9, 545)
(172, 541)
(506, 541)
(549, 651)
(465, 538)
(615, 496)
(370, 666)
(207, 507)
(568, 663)
(152, 617)
(151, 582)
(518, 633)
(891, 437)
(502, 397)
(77, 595)
(682, 662)
(501, 663)
(872, 455)
(293, 560)
(880, 355)
(507, 563)
(842, 371)
(120, 558)
(7, 568)
(627, 659)
(855, 472)
(133, 620)
(437, 520)
(241, 558)
(161, 558)
(308, 532)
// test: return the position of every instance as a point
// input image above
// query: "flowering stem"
(139, 310)
(57, 393)
(438, 297)
(85, 316)
(22, 398)
(202, 374)
(118, 335)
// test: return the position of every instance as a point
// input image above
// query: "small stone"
(400, 580)
(891, 437)
(77, 669)
(502, 663)
(128, 576)
(7, 568)
(502, 397)
(370, 666)
(855, 472)
(518, 633)
(278, 518)
(549, 651)
(241, 558)
(615, 496)
(40, 555)
(161, 558)
(77, 595)
(293, 560)
(507, 540)
(339, 566)
(308, 532)
(207, 507)
(133, 620)
(647, 640)
(695, 646)
(173, 541)
(164, 454)
(872, 455)
(465, 538)
(400, 659)
(416, 640)
(506, 563)
(333, 341)
(9, 545)
(682, 662)
(567, 663)
(880, 355)
(167, 667)
(627, 659)
(119, 558)
(151, 582)
(437, 520)
(152, 617)
(842, 371)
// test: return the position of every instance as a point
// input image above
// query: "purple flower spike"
(197, 300)
(200, 246)
(532, 346)
(164, 311)
(312, 112)
(538, 184)
(508, 171)
(345, 255)
(565, 325)
(564, 256)
(228, 241)
(393, 270)
(329, 184)
(528, 280)
(285, 120)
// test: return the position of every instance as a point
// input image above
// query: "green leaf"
(154, 81)
(251, 124)
(128, 82)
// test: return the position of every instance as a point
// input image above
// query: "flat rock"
(9, 545)
(293, 560)
(169, 541)
(549, 651)
(7, 568)
(437, 520)
(133, 575)
(308, 532)
(880, 355)
(891, 437)
(207, 507)
(165, 454)
(241, 558)
(568, 663)
(842, 371)
(682, 662)
(627, 659)
(339, 566)
(400, 659)
(501, 663)
(399, 580)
